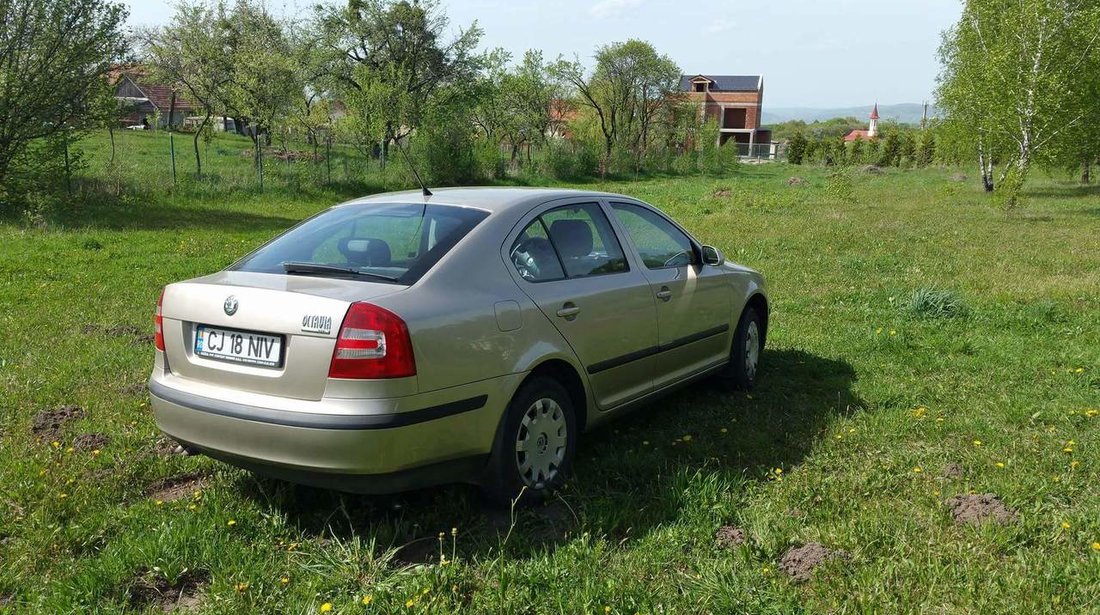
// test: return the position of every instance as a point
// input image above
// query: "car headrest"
(573, 238)
(365, 251)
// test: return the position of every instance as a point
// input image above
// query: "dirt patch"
(953, 471)
(184, 594)
(800, 562)
(959, 177)
(48, 425)
(6, 599)
(137, 335)
(729, 537)
(90, 441)
(167, 447)
(137, 388)
(872, 169)
(177, 487)
(723, 193)
(795, 181)
(979, 508)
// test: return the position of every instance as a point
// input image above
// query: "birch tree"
(1008, 79)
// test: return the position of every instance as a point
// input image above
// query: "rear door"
(567, 259)
(693, 300)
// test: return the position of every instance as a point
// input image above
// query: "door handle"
(664, 294)
(569, 311)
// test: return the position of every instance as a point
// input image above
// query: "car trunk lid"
(294, 319)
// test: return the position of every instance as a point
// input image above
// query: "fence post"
(172, 148)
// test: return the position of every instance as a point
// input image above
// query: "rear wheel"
(535, 446)
(748, 345)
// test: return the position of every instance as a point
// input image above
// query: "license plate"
(239, 346)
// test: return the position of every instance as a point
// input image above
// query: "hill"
(905, 113)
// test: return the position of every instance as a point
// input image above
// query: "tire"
(744, 366)
(535, 445)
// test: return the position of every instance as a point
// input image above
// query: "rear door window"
(574, 241)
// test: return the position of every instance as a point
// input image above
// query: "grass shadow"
(629, 476)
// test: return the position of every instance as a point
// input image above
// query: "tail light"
(158, 324)
(372, 343)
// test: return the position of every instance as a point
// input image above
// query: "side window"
(659, 242)
(533, 255)
(583, 238)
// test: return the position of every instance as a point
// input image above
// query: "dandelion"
(977, 442)
(409, 603)
(1079, 370)
(766, 571)
(284, 581)
(95, 452)
(1065, 525)
(918, 470)
(892, 332)
(878, 331)
(1000, 464)
(241, 587)
(55, 444)
(1091, 412)
(686, 438)
(920, 411)
(159, 503)
(192, 507)
(454, 532)
(368, 599)
(1096, 546)
(63, 495)
(424, 592)
(779, 470)
(1074, 463)
(326, 607)
(69, 450)
(606, 609)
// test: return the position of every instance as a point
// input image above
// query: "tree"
(390, 62)
(54, 54)
(1009, 68)
(628, 90)
(796, 148)
(264, 82)
(190, 53)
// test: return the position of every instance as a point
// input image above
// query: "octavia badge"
(230, 305)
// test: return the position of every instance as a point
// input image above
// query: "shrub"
(934, 302)
(796, 148)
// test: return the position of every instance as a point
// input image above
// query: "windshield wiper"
(299, 268)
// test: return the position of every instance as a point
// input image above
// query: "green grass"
(859, 391)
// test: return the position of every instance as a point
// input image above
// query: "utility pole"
(924, 118)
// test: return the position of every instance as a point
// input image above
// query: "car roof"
(493, 199)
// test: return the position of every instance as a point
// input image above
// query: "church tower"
(872, 130)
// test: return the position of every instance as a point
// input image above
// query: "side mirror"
(713, 256)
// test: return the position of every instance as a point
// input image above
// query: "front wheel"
(535, 447)
(748, 345)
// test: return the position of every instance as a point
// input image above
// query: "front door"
(693, 300)
(571, 265)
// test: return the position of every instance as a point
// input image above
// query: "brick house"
(734, 101)
(143, 99)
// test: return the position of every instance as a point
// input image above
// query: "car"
(404, 340)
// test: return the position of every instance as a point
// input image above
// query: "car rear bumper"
(386, 445)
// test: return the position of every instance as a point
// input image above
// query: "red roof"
(857, 135)
(874, 112)
(159, 95)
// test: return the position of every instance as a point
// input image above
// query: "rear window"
(380, 242)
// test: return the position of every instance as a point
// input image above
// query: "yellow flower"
(1096, 546)
(95, 452)
(70, 449)
(977, 442)
(285, 580)
(159, 503)
(686, 438)
(918, 469)
(878, 331)
(779, 470)
(1074, 463)
(231, 522)
(425, 591)
(55, 444)
(920, 411)
(606, 609)
(1079, 370)
(1091, 412)
(409, 603)
(1067, 449)
(192, 507)
(326, 607)
(1065, 525)
(454, 531)
(892, 332)
(63, 496)
(1000, 464)
(241, 587)
(368, 599)
(766, 570)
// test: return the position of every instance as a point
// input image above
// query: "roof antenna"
(412, 168)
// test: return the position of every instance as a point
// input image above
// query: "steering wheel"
(524, 261)
(668, 263)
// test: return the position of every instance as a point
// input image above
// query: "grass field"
(923, 345)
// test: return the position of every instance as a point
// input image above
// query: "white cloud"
(611, 8)
(720, 25)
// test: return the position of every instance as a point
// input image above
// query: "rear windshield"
(379, 242)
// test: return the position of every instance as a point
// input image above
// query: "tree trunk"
(111, 134)
(198, 133)
(985, 167)
(1086, 172)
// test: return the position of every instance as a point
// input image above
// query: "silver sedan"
(402, 340)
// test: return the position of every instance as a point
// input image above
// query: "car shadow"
(630, 475)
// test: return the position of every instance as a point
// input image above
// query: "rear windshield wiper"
(299, 268)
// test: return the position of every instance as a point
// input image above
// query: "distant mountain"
(906, 113)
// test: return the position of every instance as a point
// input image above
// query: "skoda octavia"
(406, 340)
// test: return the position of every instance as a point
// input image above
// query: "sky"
(811, 53)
